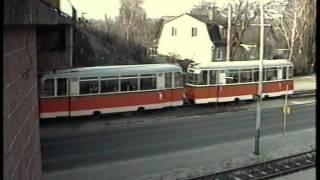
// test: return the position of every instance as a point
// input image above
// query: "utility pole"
(228, 32)
(259, 93)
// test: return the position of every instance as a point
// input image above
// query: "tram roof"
(114, 70)
(242, 64)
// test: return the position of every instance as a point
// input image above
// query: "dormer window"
(173, 31)
(194, 32)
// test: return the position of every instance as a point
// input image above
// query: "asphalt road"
(59, 153)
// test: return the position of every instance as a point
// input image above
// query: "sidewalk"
(302, 83)
(195, 162)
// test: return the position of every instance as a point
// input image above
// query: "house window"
(194, 32)
(173, 31)
(219, 54)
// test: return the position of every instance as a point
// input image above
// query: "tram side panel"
(53, 107)
(226, 93)
(110, 103)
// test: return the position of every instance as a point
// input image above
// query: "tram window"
(178, 79)
(148, 83)
(290, 72)
(284, 73)
(129, 84)
(255, 74)
(271, 74)
(168, 80)
(193, 78)
(204, 78)
(48, 88)
(111, 85)
(232, 76)
(61, 87)
(245, 75)
(213, 77)
(88, 87)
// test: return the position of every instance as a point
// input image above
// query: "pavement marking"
(303, 102)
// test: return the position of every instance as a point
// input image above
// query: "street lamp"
(259, 93)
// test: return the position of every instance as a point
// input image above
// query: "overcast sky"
(96, 9)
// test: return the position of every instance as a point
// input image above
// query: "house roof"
(213, 28)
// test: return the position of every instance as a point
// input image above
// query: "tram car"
(237, 80)
(109, 89)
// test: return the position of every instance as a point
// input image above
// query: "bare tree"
(298, 28)
(131, 17)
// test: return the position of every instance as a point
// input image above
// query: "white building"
(192, 37)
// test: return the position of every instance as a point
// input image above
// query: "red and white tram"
(109, 89)
(237, 80)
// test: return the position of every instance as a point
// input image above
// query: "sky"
(96, 9)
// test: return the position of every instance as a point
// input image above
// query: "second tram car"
(237, 80)
(109, 89)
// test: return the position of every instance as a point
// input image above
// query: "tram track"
(265, 170)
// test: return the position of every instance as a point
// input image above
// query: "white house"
(192, 37)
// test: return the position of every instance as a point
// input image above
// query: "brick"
(14, 38)
(35, 167)
(13, 124)
(17, 91)
(17, 63)
(15, 153)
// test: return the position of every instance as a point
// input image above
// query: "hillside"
(96, 48)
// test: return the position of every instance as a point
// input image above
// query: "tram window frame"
(230, 79)
(193, 78)
(89, 81)
(110, 89)
(178, 80)
(51, 89)
(129, 84)
(204, 77)
(248, 78)
(168, 77)
(64, 88)
(290, 72)
(271, 74)
(212, 79)
(255, 74)
(284, 72)
(147, 85)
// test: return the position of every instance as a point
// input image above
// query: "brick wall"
(22, 156)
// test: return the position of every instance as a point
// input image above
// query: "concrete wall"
(58, 59)
(22, 156)
(197, 48)
(22, 12)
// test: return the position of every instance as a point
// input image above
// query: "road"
(59, 153)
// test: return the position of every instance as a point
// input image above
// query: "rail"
(304, 93)
(265, 170)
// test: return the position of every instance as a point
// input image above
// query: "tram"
(237, 80)
(109, 89)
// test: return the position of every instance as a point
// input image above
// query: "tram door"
(161, 86)
(221, 80)
(73, 91)
(61, 93)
